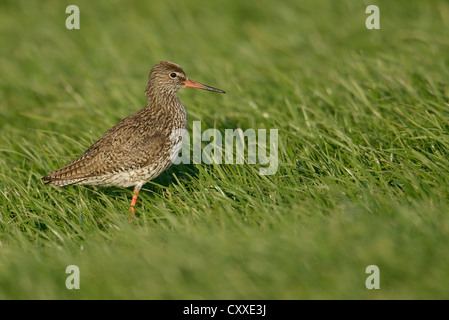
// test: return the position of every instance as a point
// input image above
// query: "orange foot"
(130, 216)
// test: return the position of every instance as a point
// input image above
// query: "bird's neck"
(167, 105)
(162, 99)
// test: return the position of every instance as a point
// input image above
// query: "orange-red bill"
(194, 84)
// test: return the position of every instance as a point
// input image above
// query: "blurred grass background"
(363, 150)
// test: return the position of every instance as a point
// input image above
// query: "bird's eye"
(173, 75)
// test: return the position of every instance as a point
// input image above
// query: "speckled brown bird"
(141, 146)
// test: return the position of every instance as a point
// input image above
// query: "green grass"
(363, 179)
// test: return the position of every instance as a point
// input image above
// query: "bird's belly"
(132, 177)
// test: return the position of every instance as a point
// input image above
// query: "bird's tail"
(60, 182)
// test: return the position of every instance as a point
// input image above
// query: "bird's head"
(168, 77)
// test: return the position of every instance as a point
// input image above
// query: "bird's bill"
(194, 84)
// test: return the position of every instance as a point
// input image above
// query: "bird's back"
(136, 148)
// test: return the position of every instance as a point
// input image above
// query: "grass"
(363, 175)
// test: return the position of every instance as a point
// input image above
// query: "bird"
(141, 146)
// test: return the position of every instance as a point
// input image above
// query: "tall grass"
(363, 175)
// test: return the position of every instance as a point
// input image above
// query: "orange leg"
(133, 203)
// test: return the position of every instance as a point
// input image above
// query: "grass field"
(363, 177)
